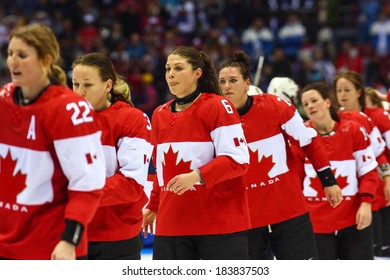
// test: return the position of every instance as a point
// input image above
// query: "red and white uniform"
(126, 133)
(51, 169)
(354, 165)
(378, 145)
(207, 135)
(273, 183)
(381, 119)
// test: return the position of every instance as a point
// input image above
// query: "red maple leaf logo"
(10, 184)
(171, 168)
(315, 183)
(258, 170)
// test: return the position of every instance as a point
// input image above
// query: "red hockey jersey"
(51, 169)
(273, 183)
(378, 145)
(207, 135)
(377, 142)
(127, 150)
(354, 165)
(381, 119)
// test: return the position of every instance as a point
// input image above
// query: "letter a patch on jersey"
(31, 129)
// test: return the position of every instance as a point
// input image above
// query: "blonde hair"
(122, 88)
(370, 92)
(43, 40)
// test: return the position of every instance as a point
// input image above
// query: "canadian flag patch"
(238, 141)
(90, 158)
(146, 160)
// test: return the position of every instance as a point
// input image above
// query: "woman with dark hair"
(115, 231)
(350, 92)
(278, 211)
(201, 157)
(344, 232)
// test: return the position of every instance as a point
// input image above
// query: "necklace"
(330, 132)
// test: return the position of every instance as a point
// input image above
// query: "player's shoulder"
(125, 109)
(207, 101)
(125, 115)
(272, 103)
(351, 125)
(58, 94)
(359, 117)
(60, 100)
(6, 90)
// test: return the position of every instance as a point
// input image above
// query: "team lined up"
(236, 175)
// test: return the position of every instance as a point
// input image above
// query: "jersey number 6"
(227, 106)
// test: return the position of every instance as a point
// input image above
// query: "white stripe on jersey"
(386, 136)
(110, 160)
(310, 173)
(198, 153)
(38, 167)
(89, 172)
(378, 146)
(272, 146)
(365, 161)
(345, 168)
(296, 128)
(224, 144)
(134, 156)
(201, 153)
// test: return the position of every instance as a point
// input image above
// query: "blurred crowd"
(306, 40)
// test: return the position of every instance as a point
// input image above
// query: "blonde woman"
(115, 231)
(52, 162)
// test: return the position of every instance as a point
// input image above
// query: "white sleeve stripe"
(296, 128)
(386, 136)
(224, 143)
(365, 161)
(377, 142)
(82, 161)
(134, 156)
